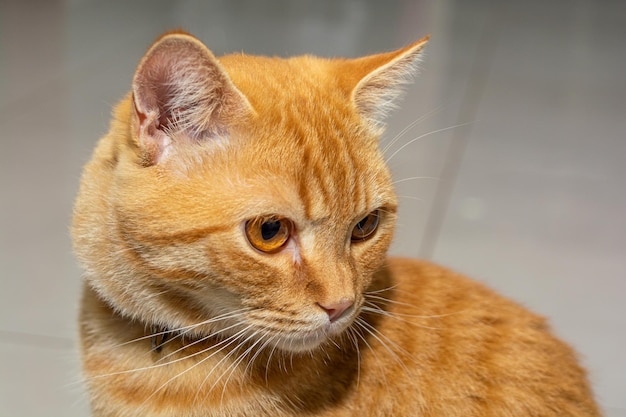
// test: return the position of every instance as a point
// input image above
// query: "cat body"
(233, 227)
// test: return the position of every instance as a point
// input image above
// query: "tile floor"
(529, 193)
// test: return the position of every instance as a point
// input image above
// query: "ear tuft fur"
(180, 90)
(381, 78)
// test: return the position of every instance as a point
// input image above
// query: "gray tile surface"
(529, 197)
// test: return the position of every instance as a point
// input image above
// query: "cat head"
(243, 195)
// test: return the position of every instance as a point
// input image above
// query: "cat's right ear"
(376, 80)
(181, 93)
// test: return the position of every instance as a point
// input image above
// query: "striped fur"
(200, 146)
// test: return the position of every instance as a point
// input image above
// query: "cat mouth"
(320, 333)
(303, 342)
(306, 341)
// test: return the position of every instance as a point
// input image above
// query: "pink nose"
(336, 310)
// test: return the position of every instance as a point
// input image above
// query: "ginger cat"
(233, 226)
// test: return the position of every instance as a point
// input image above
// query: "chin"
(302, 344)
(309, 341)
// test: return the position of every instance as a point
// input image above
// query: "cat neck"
(207, 366)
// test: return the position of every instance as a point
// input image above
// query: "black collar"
(160, 335)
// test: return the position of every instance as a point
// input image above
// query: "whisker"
(231, 339)
(410, 126)
(231, 367)
(159, 365)
(385, 300)
(382, 290)
(269, 359)
(390, 301)
(372, 304)
(386, 211)
(374, 332)
(423, 136)
(395, 317)
(236, 363)
(353, 338)
(198, 341)
(215, 319)
(227, 357)
(381, 368)
(150, 336)
(415, 178)
(411, 197)
(259, 350)
(334, 343)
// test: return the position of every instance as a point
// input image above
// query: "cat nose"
(336, 310)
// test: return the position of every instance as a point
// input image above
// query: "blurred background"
(514, 172)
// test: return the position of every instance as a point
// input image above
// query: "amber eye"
(366, 227)
(268, 233)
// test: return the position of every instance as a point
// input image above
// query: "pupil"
(270, 229)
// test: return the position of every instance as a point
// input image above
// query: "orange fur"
(200, 146)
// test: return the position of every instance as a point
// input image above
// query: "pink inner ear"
(152, 104)
(160, 82)
(180, 88)
(153, 140)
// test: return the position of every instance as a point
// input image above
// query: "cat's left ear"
(378, 79)
(181, 93)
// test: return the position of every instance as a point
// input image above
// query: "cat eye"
(268, 233)
(365, 228)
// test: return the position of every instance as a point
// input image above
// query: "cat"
(233, 227)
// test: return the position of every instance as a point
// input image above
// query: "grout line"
(470, 102)
(37, 340)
